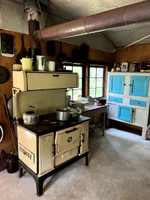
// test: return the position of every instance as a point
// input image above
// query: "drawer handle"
(74, 129)
(124, 84)
(138, 103)
(55, 75)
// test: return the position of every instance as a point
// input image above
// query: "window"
(75, 93)
(96, 85)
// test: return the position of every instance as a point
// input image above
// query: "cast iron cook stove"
(48, 124)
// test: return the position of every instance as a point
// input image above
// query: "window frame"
(86, 75)
(96, 66)
(83, 75)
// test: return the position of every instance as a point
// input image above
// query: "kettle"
(31, 117)
(27, 64)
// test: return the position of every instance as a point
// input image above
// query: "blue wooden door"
(116, 84)
(125, 113)
(139, 86)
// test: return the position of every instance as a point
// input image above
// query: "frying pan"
(22, 53)
(61, 56)
(4, 74)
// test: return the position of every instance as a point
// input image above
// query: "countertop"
(94, 107)
(48, 123)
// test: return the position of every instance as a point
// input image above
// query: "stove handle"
(55, 75)
(71, 130)
(83, 136)
(53, 149)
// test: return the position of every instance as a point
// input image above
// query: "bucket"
(12, 163)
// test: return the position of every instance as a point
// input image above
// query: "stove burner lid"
(48, 122)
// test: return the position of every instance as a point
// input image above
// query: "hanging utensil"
(22, 53)
(9, 107)
(10, 125)
(4, 74)
(1, 133)
(61, 56)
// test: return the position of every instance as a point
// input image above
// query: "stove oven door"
(66, 144)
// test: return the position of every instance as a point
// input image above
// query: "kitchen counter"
(48, 123)
(93, 110)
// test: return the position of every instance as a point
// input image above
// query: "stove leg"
(86, 159)
(20, 172)
(39, 186)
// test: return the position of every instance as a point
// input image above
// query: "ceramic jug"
(27, 64)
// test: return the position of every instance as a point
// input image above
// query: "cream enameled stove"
(50, 145)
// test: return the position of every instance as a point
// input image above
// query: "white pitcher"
(27, 64)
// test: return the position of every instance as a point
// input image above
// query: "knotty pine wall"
(6, 88)
(133, 53)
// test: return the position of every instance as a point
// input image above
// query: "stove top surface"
(48, 123)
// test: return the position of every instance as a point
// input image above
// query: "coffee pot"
(41, 63)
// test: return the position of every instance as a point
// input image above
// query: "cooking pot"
(31, 117)
(63, 114)
(75, 112)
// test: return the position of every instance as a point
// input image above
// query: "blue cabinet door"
(125, 113)
(139, 86)
(116, 84)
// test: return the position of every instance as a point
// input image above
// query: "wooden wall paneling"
(6, 88)
(101, 56)
(133, 53)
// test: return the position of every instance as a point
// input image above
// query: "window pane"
(99, 82)
(80, 83)
(100, 72)
(92, 82)
(76, 94)
(78, 70)
(68, 67)
(92, 92)
(99, 92)
(92, 72)
(70, 93)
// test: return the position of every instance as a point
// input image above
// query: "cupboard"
(128, 97)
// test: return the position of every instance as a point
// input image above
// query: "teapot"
(31, 117)
(27, 64)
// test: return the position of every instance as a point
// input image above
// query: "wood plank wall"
(133, 53)
(6, 88)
